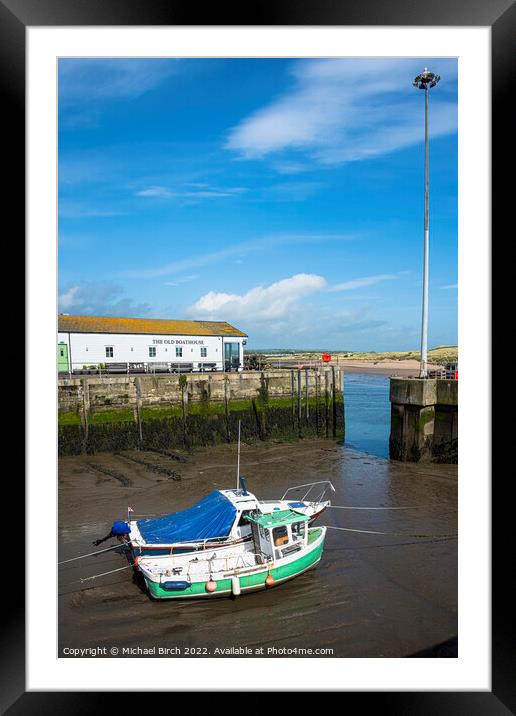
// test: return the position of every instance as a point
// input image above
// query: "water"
(368, 413)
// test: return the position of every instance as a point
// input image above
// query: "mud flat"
(370, 596)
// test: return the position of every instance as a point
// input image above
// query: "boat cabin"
(279, 534)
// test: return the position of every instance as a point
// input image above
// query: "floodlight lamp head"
(426, 80)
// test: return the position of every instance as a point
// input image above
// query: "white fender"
(235, 586)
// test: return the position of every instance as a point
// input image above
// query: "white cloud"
(202, 192)
(93, 78)
(182, 279)
(237, 250)
(293, 191)
(262, 303)
(291, 167)
(451, 285)
(69, 298)
(100, 298)
(87, 84)
(346, 110)
(78, 210)
(365, 281)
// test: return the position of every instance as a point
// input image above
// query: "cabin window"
(204, 352)
(298, 530)
(152, 351)
(109, 351)
(242, 521)
(179, 351)
(280, 535)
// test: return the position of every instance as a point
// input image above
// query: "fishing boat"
(218, 521)
(282, 546)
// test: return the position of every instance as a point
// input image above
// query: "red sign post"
(326, 357)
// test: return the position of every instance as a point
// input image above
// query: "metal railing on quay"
(113, 369)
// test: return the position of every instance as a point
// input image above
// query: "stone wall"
(165, 411)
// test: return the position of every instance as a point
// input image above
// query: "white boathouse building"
(120, 345)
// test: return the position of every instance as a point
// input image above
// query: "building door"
(231, 356)
(62, 358)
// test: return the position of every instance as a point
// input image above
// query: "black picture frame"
(499, 15)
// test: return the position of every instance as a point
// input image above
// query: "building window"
(109, 351)
(179, 352)
(152, 351)
(204, 352)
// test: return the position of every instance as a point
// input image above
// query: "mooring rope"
(345, 507)
(90, 554)
(394, 534)
(86, 579)
(103, 574)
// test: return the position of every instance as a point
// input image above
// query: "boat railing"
(225, 560)
(308, 488)
(202, 544)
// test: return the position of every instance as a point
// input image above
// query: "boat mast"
(238, 457)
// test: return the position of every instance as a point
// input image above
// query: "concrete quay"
(424, 420)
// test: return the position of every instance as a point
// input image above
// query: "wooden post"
(306, 393)
(85, 412)
(238, 457)
(334, 406)
(326, 410)
(226, 408)
(316, 378)
(292, 399)
(138, 407)
(299, 396)
(184, 398)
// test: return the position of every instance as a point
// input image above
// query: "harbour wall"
(110, 413)
(424, 425)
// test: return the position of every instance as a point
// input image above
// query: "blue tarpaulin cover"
(213, 516)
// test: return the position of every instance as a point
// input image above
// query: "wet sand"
(370, 596)
(397, 368)
(391, 368)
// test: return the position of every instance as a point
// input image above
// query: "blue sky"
(282, 195)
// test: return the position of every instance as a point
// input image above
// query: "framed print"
(229, 216)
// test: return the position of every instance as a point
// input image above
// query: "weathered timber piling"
(423, 420)
(107, 413)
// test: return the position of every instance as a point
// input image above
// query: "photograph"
(256, 241)
(257, 357)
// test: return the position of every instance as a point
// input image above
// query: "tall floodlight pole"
(425, 81)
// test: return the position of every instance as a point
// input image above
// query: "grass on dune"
(441, 354)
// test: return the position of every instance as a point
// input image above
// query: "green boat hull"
(248, 583)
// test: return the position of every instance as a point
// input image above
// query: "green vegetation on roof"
(281, 517)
